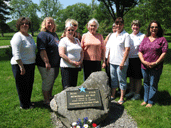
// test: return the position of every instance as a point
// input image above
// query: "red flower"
(94, 125)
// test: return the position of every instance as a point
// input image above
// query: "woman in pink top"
(94, 49)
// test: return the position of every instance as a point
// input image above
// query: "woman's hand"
(23, 71)
(48, 66)
(103, 65)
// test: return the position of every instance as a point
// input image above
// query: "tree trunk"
(2, 34)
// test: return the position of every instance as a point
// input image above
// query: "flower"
(94, 125)
(85, 123)
(74, 124)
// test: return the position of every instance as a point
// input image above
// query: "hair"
(135, 22)
(113, 25)
(20, 20)
(119, 20)
(91, 21)
(43, 25)
(72, 21)
(160, 30)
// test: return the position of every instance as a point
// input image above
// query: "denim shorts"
(118, 77)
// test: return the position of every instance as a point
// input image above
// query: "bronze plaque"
(88, 99)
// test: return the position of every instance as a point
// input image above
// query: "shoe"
(112, 98)
(129, 94)
(136, 97)
(121, 102)
(46, 103)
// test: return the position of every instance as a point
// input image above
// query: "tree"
(50, 8)
(4, 11)
(148, 10)
(122, 6)
(79, 12)
(26, 8)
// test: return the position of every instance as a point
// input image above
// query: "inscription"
(87, 99)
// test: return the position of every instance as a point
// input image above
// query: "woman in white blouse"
(23, 62)
(119, 47)
(71, 55)
(134, 68)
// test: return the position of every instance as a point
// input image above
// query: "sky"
(66, 3)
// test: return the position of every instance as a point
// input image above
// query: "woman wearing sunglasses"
(23, 62)
(75, 25)
(71, 55)
(152, 52)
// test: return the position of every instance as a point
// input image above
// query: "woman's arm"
(44, 57)
(127, 49)
(20, 64)
(140, 54)
(159, 60)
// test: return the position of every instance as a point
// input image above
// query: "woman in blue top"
(47, 58)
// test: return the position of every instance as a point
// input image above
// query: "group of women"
(118, 52)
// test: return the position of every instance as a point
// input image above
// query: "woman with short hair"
(134, 68)
(94, 49)
(23, 62)
(119, 47)
(71, 55)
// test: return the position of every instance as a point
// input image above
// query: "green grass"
(159, 116)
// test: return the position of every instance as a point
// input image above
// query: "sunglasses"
(25, 23)
(153, 27)
(75, 25)
(70, 30)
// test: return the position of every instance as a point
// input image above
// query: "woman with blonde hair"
(75, 24)
(48, 59)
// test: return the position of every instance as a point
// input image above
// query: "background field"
(159, 116)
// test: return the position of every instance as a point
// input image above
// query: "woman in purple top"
(152, 52)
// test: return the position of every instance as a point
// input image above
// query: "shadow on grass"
(5, 54)
(116, 111)
(167, 60)
(164, 98)
(39, 104)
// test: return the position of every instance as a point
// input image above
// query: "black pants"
(69, 77)
(24, 83)
(91, 66)
(107, 69)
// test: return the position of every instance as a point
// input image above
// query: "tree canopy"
(4, 12)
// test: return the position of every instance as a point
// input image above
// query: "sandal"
(143, 103)
(148, 105)
(121, 102)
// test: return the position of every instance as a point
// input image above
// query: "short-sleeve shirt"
(152, 50)
(117, 45)
(73, 51)
(135, 43)
(48, 41)
(95, 46)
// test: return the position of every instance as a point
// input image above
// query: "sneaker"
(129, 94)
(136, 97)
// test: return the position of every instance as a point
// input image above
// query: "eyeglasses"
(154, 27)
(70, 30)
(25, 23)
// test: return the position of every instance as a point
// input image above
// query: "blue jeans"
(118, 77)
(151, 79)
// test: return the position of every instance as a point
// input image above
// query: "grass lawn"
(159, 116)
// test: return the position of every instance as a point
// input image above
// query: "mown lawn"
(159, 116)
